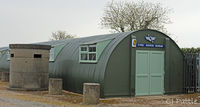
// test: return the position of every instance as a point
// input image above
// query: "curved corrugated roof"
(4, 48)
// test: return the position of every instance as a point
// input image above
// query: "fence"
(191, 73)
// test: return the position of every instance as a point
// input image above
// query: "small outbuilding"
(143, 62)
(29, 67)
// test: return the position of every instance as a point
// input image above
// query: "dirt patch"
(3, 85)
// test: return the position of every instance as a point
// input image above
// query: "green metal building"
(4, 59)
(144, 62)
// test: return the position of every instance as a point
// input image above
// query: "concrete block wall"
(29, 66)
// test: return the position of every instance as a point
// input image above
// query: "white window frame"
(87, 52)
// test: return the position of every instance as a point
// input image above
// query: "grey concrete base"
(91, 93)
(28, 80)
(55, 86)
(5, 77)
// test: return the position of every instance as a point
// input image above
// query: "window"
(91, 51)
(11, 55)
(2, 52)
(37, 56)
(88, 53)
(55, 50)
(8, 55)
(51, 55)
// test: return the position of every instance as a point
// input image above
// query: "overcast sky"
(29, 21)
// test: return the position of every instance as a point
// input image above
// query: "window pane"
(83, 48)
(8, 55)
(84, 56)
(51, 55)
(92, 49)
(92, 56)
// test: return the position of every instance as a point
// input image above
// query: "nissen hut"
(144, 62)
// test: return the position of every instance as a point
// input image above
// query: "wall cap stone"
(29, 46)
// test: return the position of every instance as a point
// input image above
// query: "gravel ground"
(67, 99)
(10, 102)
(27, 99)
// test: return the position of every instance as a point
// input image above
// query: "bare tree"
(59, 35)
(129, 16)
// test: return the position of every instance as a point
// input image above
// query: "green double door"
(149, 72)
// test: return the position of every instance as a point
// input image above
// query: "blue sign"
(150, 38)
(150, 45)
